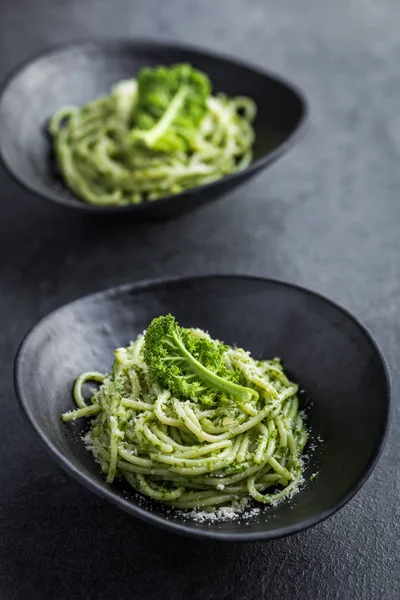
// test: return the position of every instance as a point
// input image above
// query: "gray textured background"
(326, 216)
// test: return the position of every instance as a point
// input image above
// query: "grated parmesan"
(238, 511)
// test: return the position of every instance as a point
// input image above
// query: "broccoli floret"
(171, 103)
(188, 365)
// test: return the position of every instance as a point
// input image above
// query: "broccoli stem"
(211, 378)
(151, 136)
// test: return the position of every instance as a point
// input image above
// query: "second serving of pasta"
(153, 136)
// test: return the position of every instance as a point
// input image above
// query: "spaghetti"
(187, 454)
(99, 162)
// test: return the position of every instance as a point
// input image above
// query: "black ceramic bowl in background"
(78, 73)
(323, 347)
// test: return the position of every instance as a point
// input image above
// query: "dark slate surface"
(326, 216)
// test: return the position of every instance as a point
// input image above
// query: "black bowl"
(78, 73)
(324, 348)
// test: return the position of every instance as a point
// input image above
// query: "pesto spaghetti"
(154, 136)
(194, 423)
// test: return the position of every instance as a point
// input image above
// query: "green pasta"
(151, 137)
(228, 443)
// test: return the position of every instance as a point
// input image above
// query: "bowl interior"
(323, 348)
(82, 72)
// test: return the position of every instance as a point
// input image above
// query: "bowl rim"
(137, 43)
(163, 522)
